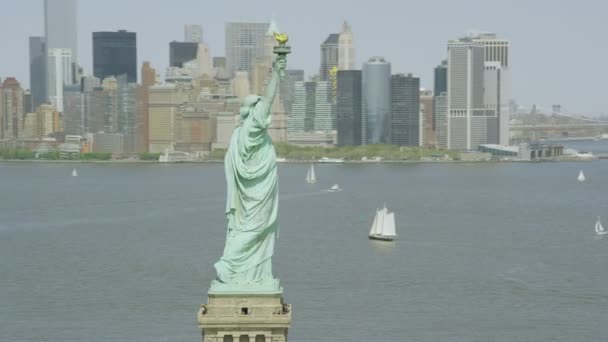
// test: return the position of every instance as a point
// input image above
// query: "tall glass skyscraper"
(404, 122)
(38, 70)
(376, 89)
(115, 54)
(348, 105)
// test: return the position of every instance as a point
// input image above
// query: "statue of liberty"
(252, 202)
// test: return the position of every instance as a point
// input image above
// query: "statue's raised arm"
(278, 69)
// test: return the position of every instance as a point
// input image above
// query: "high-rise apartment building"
(38, 70)
(404, 119)
(376, 84)
(11, 109)
(148, 79)
(193, 33)
(348, 107)
(346, 48)
(469, 123)
(244, 44)
(46, 120)
(115, 54)
(59, 73)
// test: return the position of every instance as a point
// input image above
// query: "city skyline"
(534, 30)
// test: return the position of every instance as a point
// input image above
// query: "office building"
(348, 108)
(148, 79)
(73, 110)
(496, 100)
(59, 73)
(115, 54)
(244, 44)
(440, 108)
(376, 84)
(495, 49)
(37, 70)
(441, 78)
(404, 119)
(469, 123)
(46, 120)
(286, 87)
(313, 109)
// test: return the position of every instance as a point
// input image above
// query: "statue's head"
(248, 104)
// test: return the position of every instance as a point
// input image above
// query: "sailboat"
(74, 173)
(581, 176)
(599, 229)
(310, 175)
(383, 227)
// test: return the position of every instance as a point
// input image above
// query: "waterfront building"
(469, 123)
(11, 109)
(148, 79)
(240, 85)
(376, 83)
(30, 126)
(108, 143)
(348, 108)
(312, 109)
(115, 54)
(427, 116)
(404, 119)
(46, 120)
(73, 110)
(440, 108)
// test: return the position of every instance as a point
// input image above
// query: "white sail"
(374, 229)
(74, 173)
(599, 229)
(310, 175)
(389, 225)
(380, 221)
(335, 187)
(581, 176)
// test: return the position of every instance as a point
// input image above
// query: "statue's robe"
(252, 203)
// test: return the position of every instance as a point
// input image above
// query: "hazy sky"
(558, 48)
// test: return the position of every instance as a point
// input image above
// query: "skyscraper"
(11, 109)
(61, 25)
(244, 44)
(376, 90)
(115, 54)
(329, 56)
(38, 70)
(303, 110)
(182, 52)
(148, 79)
(441, 78)
(497, 99)
(73, 110)
(495, 49)
(468, 121)
(59, 73)
(346, 48)
(348, 109)
(498, 88)
(193, 33)
(427, 117)
(286, 87)
(404, 119)
(440, 87)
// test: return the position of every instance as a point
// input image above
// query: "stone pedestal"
(240, 317)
